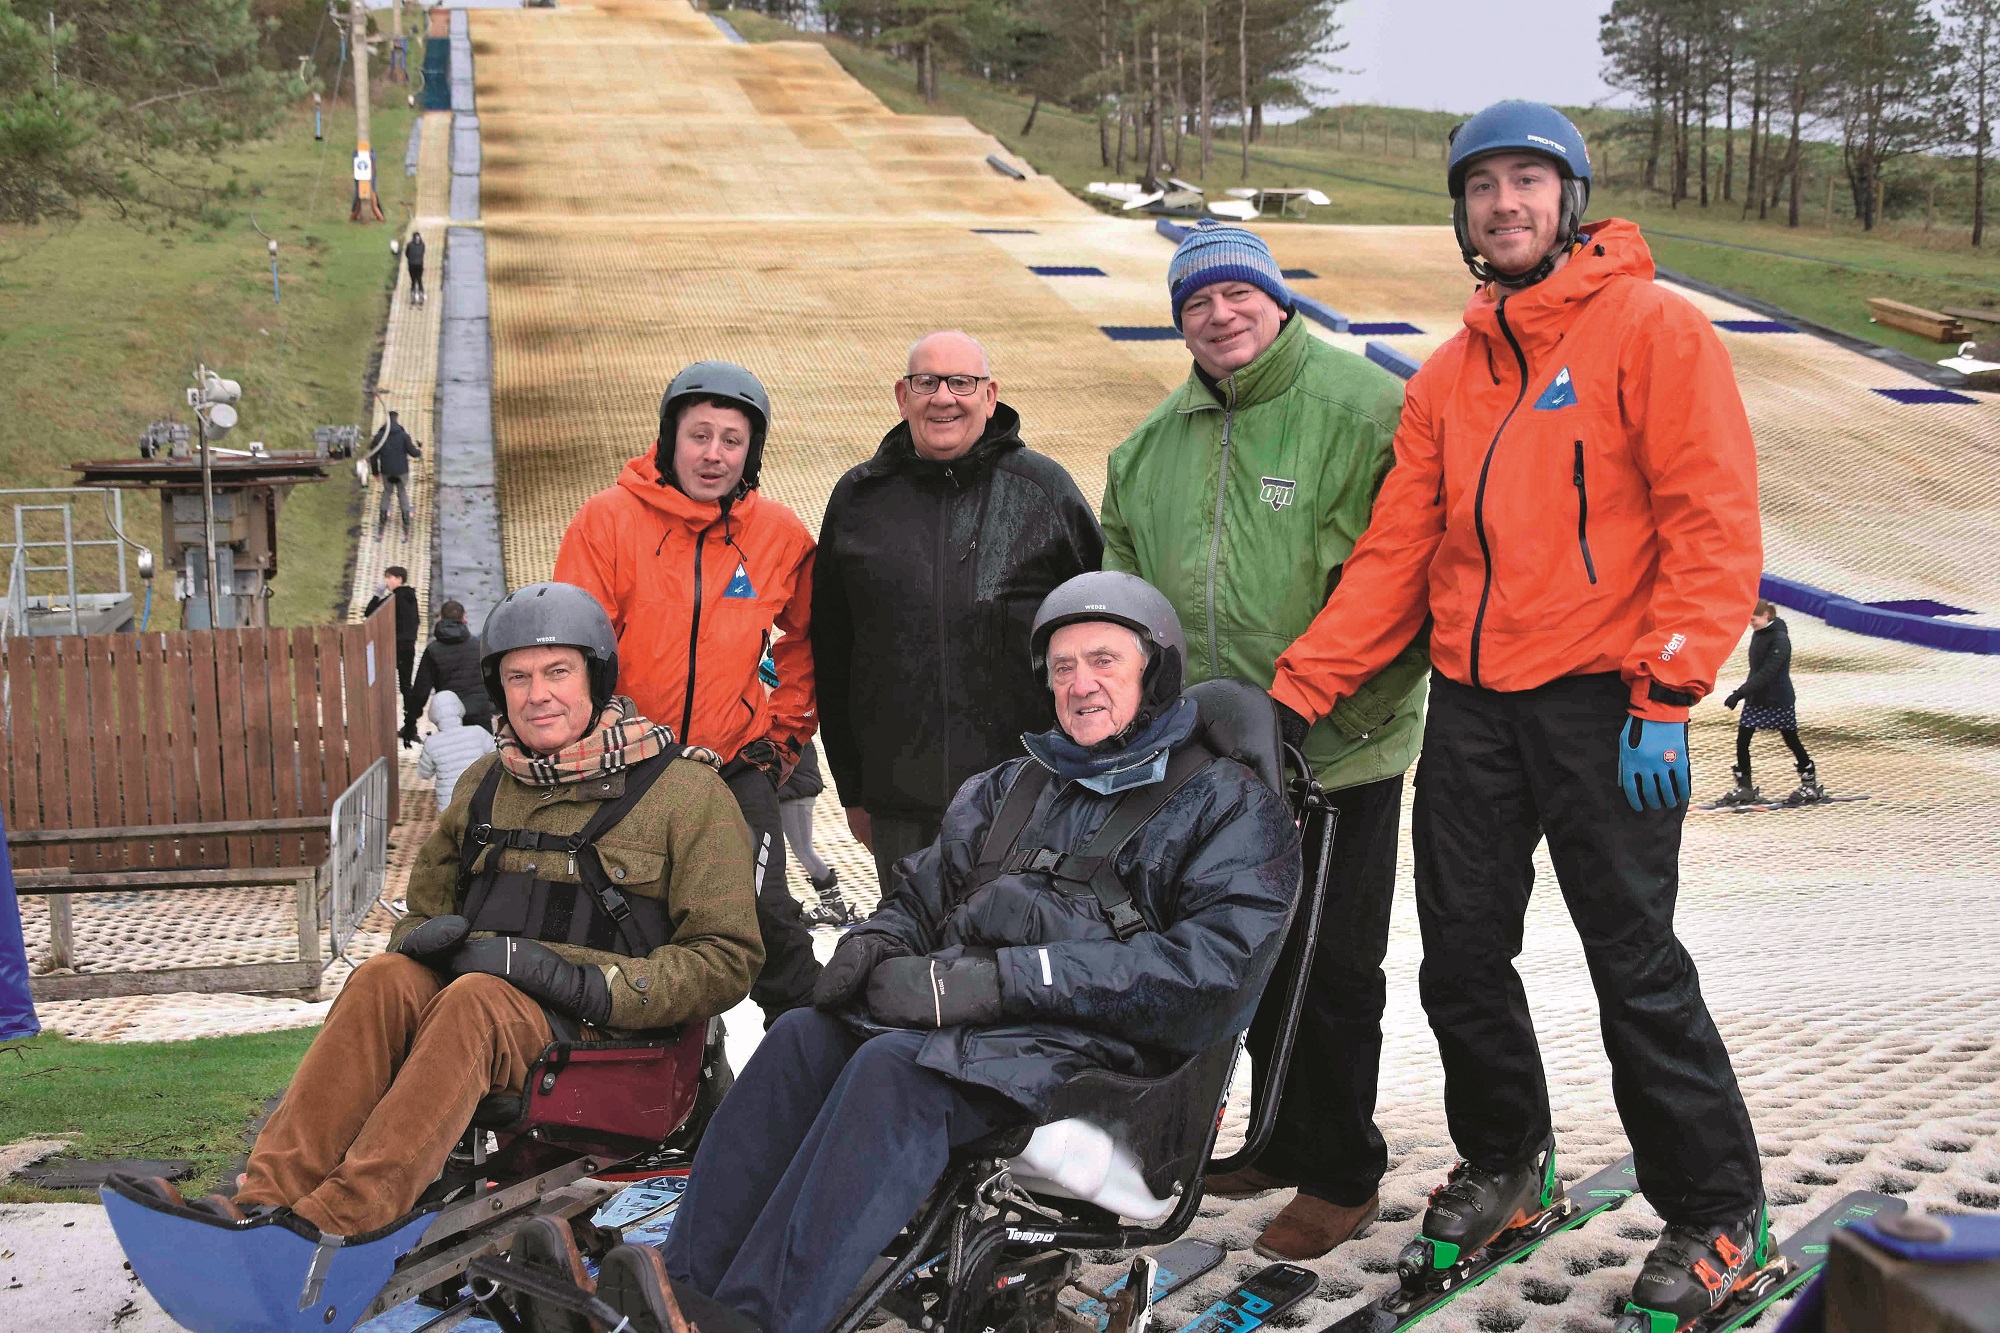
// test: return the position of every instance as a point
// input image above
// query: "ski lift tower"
(218, 507)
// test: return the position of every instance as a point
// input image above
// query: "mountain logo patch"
(1560, 393)
(739, 585)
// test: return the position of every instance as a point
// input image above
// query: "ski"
(1268, 1293)
(1399, 1309)
(1772, 807)
(1178, 1264)
(1799, 1256)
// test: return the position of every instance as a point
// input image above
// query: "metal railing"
(357, 853)
(14, 615)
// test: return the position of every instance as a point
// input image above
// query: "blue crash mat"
(214, 1277)
(644, 1212)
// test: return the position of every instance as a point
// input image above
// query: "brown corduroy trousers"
(387, 1088)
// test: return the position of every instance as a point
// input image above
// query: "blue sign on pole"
(17, 1010)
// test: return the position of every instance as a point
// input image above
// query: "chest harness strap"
(590, 912)
(1094, 869)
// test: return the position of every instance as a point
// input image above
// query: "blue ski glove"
(1653, 768)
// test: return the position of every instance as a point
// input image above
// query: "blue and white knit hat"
(1216, 252)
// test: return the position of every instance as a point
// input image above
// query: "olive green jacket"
(685, 842)
(1241, 504)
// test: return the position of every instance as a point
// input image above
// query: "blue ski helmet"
(1520, 127)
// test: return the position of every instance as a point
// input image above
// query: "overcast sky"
(1460, 55)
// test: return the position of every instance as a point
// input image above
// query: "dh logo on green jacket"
(1277, 492)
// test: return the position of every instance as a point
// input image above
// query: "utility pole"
(1243, 76)
(367, 207)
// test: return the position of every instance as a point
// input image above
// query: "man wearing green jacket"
(1240, 498)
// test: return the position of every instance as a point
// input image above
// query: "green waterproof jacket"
(1241, 503)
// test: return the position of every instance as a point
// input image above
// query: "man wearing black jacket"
(395, 587)
(389, 454)
(933, 556)
(451, 662)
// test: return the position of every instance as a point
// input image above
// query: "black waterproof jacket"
(1213, 873)
(1769, 684)
(450, 662)
(924, 591)
(396, 449)
(408, 617)
(414, 253)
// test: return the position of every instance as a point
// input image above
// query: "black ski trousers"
(1499, 772)
(1325, 1138)
(789, 966)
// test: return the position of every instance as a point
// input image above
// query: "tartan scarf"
(621, 738)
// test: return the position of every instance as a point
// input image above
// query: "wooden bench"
(1932, 324)
(309, 884)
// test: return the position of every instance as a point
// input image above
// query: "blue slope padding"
(1878, 622)
(1299, 274)
(1398, 363)
(1394, 328)
(727, 29)
(1321, 313)
(1141, 333)
(17, 1008)
(1754, 326)
(1173, 231)
(222, 1279)
(1005, 231)
(1911, 397)
(1066, 270)
(1923, 606)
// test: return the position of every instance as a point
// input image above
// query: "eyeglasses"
(961, 385)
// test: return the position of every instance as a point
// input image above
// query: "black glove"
(439, 935)
(1735, 697)
(932, 993)
(533, 968)
(1291, 725)
(774, 759)
(846, 973)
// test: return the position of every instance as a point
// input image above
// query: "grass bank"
(189, 1100)
(102, 322)
(1815, 273)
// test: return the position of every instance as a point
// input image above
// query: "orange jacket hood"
(696, 597)
(1575, 491)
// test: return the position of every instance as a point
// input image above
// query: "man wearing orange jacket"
(1573, 506)
(697, 571)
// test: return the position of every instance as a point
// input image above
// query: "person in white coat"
(450, 750)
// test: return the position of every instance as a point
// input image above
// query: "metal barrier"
(358, 857)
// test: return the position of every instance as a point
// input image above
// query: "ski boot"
(832, 909)
(1809, 790)
(1743, 793)
(1694, 1271)
(1474, 1209)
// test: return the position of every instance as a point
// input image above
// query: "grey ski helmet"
(730, 385)
(1520, 127)
(556, 615)
(1122, 599)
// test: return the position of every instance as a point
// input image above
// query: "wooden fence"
(127, 731)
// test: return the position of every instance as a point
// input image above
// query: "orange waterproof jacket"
(1575, 490)
(694, 597)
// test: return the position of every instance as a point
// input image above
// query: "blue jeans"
(822, 1151)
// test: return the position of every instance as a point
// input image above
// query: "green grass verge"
(1822, 276)
(191, 1100)
(102, 321)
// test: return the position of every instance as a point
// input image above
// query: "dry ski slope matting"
(654, 194)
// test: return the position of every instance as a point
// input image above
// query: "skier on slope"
(697, 570)
(1769, 704)
(1574, 506)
